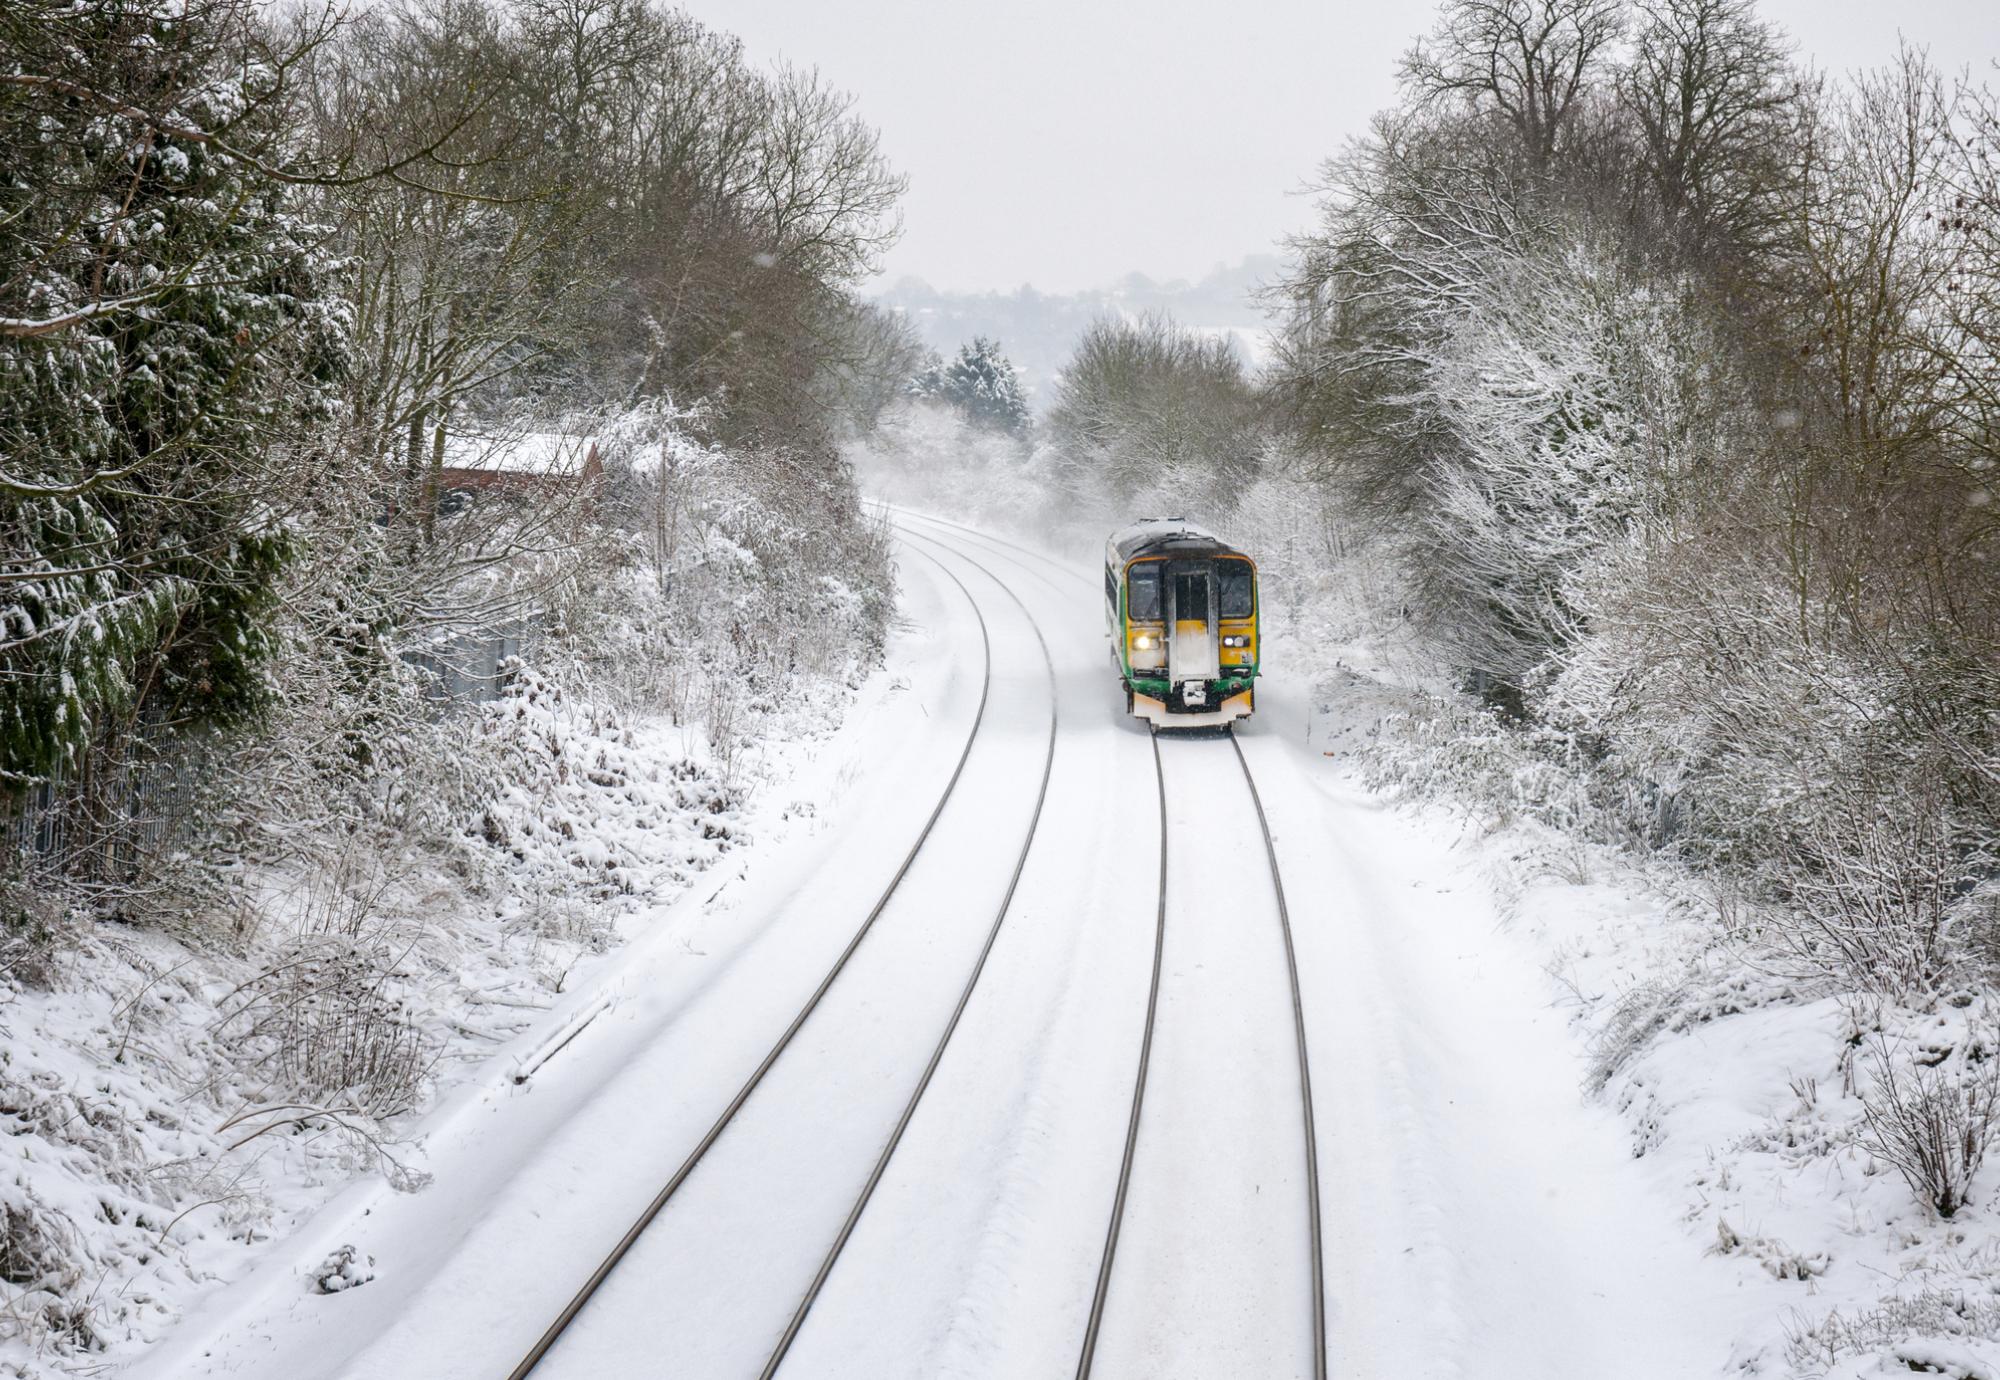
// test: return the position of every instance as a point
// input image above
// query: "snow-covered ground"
(1487, 1211)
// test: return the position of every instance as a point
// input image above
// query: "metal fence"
(103, 822)
(466, 667)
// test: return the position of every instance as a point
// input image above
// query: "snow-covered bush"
(34, 925)
(1932, 1115)
(346, 1268)
(1900, 1331)
(578, 805)
(41, 1252)
(1843, 772)
(743, 576)
(319, 1026)
(79, 1195)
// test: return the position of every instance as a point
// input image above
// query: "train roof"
(1165, 537)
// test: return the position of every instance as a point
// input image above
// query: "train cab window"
(1238, 588)
(1191, 596)
(1143, 593)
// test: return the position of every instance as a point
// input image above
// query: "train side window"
(1143, 592)
(1238, 597)
(1111, 591)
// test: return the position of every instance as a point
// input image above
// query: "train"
(1180, 608)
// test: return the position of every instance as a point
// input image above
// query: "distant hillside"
(1037, 330)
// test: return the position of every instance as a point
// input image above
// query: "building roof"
(1165, 537)
(545, 454)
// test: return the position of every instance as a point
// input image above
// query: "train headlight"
(1236, 640)
(1144, 642)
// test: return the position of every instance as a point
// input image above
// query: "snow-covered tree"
(1666, 368)
(980, 383)
(170, 331)
(1153, 409)
(1572, 400)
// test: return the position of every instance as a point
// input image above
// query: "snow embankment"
(1753, 1099)
(174, 1100)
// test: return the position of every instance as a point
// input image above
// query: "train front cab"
(1183, 612)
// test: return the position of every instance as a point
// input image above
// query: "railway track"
(1102, 1291)
(1087, 1356)
(1316, 1261)
(903, 517)
(556, 1330)
(937, 1054)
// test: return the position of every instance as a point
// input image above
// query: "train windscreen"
(1238, 597)
(1143, 599)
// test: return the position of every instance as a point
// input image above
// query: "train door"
(1192, 650)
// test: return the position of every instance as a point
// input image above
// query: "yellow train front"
(1181, 610)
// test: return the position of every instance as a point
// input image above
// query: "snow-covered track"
(1305, 1071)
(1103, 1290)
(1316, 1259)
(937, 1054)
(618, 1252)
(903, 517)
(1315, 1241)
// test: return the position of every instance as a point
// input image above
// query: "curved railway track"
(965, 996)
(903, 515)
(1316, 1246)
(581, 1299)
(1101, 1294)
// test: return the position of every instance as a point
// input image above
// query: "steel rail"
(1313, 1231)
(992, 540)
(1305, 1072)
(576, 1305)
(1103, 1290)
(881, 1166)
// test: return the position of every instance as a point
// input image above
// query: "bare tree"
(881, 350)
(1155, 408)
(1714, 101)
(1528, 61)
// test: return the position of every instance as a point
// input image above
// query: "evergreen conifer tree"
(980, 383)
(170, 334)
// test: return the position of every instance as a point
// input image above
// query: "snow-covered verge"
(1809, 1128)
(172, 1104)
(1802, 1126)
(1721, 709)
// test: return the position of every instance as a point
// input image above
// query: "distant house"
(531, 465)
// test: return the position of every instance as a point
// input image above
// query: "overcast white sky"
(1067, 142)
